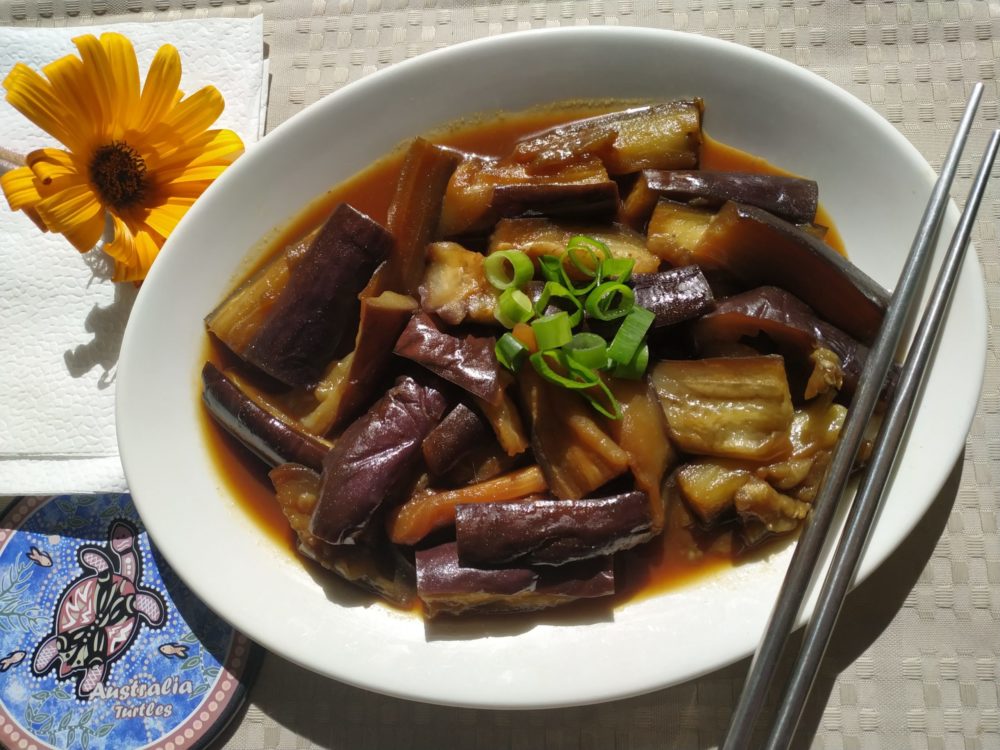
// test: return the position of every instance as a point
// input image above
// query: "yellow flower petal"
(188, 118)
(134, 252)
(163, 218)
(208, 148)
(73, 88)
(124, 80)
(160, 92)
(100, 75)
(76, 213)
(33, 97)
(20, 188)
(50, 164)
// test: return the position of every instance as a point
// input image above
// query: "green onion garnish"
(554, 293)
(510, 352)
(604, 400)
(508, 268)
(577, 377)
(552, 269)
(610, 301)
(630, 335)
(593, 245)
(582, 253)
(635, 368)
(513, 307)
(552, 331)
(617, 269)
(589, 350)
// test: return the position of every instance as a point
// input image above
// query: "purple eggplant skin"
(455, 437)
(372, 457)
(319, 305)
(272, 439)
(551, 532)
(469, 363)
(593, 201)
(674, 296)
(793, 199)
(789, 322)
(758, 249)
(446, 586)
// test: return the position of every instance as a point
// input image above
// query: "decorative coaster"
(101, 644)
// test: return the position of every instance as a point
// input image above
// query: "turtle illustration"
(98, 616)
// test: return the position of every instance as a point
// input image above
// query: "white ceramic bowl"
(872, 181)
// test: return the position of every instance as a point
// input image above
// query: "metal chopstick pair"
(804, 559)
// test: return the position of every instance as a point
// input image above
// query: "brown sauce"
(675, 558)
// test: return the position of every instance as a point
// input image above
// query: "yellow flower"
(141, 155)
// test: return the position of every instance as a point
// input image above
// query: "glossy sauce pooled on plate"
(726, 479)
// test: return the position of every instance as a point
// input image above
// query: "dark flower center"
(119, 174)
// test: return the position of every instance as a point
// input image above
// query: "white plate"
(873, 182)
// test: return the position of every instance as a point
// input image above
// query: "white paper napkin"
(61, 324)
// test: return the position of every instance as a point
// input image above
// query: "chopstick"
(866, 503)
(802, 566)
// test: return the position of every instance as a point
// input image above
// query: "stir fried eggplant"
(656, 378)
(372, 457)
(444, 585)
(319, 302)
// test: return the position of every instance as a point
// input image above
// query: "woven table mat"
(914, 661)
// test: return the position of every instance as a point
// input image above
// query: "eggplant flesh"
(373, 565)
(790, 323)
(467, 362)
(319, 304)
(793, 199)
(551, 532)
(674, 296)
(454, 286)
(736, 407)
(445, 586)
(273, 439)
(760, 249)
(372, 457)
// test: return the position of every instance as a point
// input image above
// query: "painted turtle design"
(98, 616)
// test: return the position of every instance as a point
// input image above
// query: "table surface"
(914, 662)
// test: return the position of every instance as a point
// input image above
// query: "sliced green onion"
(510, 352)
(552, 331)
(552, 269)
(605, 401)
(582, 253)
(589, 350)
(635, 368)
(554, 293)
(610, 301)
(513, 307)
(630, 335)
(617, 269)
(577, 377)
(593, 245)
(508, 268)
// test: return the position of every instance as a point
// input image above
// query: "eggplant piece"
(674, 296)
(759, 501)
(793, 199)
(790, 323)
(273, 439)
(505, 419)
(709, 486)
(547, 237)
(471, 203)
(551, 532)
(429, 510)
(727, 407)
(446, 586)
(316, 307)
(455, 287)
(454, 438)
(413, 216)
(575, 453)
(642, 433)
(236, 320)
(760, 249)
(469, 363)
(351, 383)
(660, 136)
(373, 456)
(675, 229)
(373, 565)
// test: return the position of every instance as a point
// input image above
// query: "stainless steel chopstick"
(866, 503)
(806, 554)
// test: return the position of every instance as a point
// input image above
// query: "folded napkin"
(61, 319)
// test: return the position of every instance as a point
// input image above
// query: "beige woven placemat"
(914, 663)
